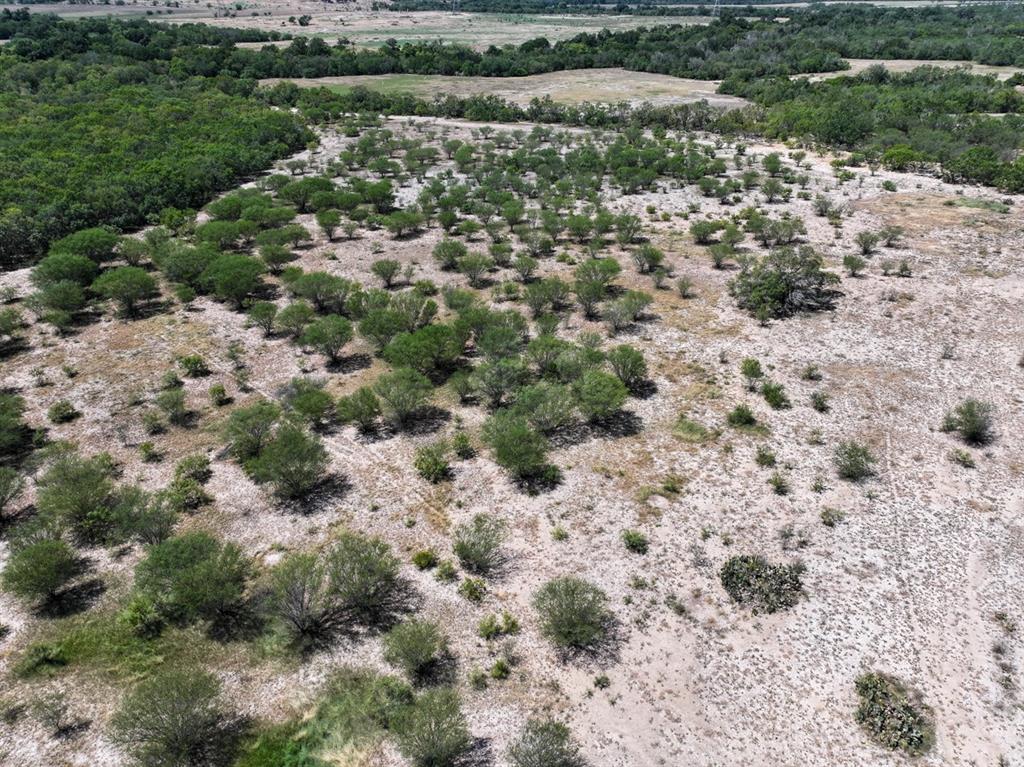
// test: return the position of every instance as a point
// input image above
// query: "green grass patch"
(353, 716)
(102, 644)
(975, 202)
(690, 431)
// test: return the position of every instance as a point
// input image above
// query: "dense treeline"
(83, 146)
(107, 121)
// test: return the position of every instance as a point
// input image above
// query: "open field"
(372, 28)
(567, 87)
(905, 65)
(908, 580)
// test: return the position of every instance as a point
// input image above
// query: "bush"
(853, 461)
(328, 335)
(784, 282)
(751, 580)
(173, 404)
(477, 543)
(433, 732)
(432, 462)
(62, 412)
(573, 613)
(424, 559)
(635, 541)
(37, 570)
(364, 578)
(403, 392)
(414, 646)
(11, 486)
(473, 589)
(250, 428)
(80, 493)
(294, 462)
(775, 395)
(361, 408)
(128, 286)
(973, 421)
(741, 415)
(386, 269)
(599, 395)
(517, 447)
(174, 719)
(629, 365)
(193, 577)
(545, 743)
(299, 596)
(894, 717)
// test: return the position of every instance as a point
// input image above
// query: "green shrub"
(573, 613)
(893, 716)
(425, 559)
(194, 366)
(973, 420)
(741, 415)
(62, 411)
(853, 461)
(599, 395)
(294, 462)
(361, 407)
(752, 372)
(37, 570)
(175, 718)
(433, 732)
(752, 580)
(473, 589)
(414, 646)
(629, 365)
(635, 541)
(477, 543)
(403, 392)
(432, 461)
(517, 447)
(775, 395)
(194, 576)
(545, 743)
(364, 578)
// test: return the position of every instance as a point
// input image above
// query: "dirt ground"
(572, 86)
(907, 583)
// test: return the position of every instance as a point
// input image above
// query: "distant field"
(568, 87)
(905, 65)
(372, 28)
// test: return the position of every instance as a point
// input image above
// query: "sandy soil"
(907, 583)
(572, 86)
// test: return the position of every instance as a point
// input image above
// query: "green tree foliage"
(433, 732)
(293, 461)
(128, 286)
(194, 577)
(517, 446)
(784, 282)
(39, 567)
(599, 395)
(414, 646)
(403, 393)
(477, 543)
(328, 335)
